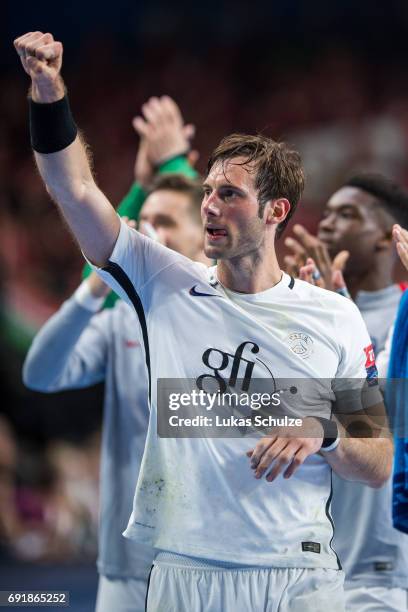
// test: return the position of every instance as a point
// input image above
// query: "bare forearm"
(89, 214)
(65, 171)
(363, 460)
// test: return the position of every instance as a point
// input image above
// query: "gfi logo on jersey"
(236, 368)
(371, 368)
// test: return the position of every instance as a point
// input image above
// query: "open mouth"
(215, 233)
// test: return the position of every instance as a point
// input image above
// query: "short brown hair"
(279, 172)
(181, 184)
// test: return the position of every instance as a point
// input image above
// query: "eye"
(227, 194)
(346, 214)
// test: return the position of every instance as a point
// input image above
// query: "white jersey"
(77, 348)
(198, 496)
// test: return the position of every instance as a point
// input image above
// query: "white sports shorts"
(375, 599)
(121, 595)
(212, 589)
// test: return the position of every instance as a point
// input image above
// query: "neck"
(377, 278)
(252, 273)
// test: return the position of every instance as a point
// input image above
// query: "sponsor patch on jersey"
(383, 566)
(132, 343)
(371, 368)
(370, 356)
(372, 376)
(311, 547)
(301, 344)
(194, 291)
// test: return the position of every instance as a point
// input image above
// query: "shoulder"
(122, 310)
(178, 269)
(144, 259)
(342, 308)
(323, 296)
(132, 244)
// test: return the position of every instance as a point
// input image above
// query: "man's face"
(169, 212)
(352, 222)
(232, 227)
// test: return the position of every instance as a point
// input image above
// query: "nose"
(162, 236)
(327, 223)
(211, 205)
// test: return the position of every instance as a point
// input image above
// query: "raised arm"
(60, 153)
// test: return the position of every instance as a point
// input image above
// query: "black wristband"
(52, 127)
(330, 431)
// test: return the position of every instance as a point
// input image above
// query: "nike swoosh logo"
(193, 291)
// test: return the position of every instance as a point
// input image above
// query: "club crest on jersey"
(301, 344)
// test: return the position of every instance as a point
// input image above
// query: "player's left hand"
(281, 450)
(400, 236)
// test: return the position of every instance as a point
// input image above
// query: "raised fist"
(41, 57)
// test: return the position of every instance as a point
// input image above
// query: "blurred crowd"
(48, 499)
(343, 114)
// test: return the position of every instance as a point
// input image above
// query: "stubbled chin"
(212, 251)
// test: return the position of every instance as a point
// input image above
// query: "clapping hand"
(310, 260)
(400, 236)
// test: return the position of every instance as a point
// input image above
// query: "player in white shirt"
(229, 541)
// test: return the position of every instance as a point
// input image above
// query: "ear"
(276, 211)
